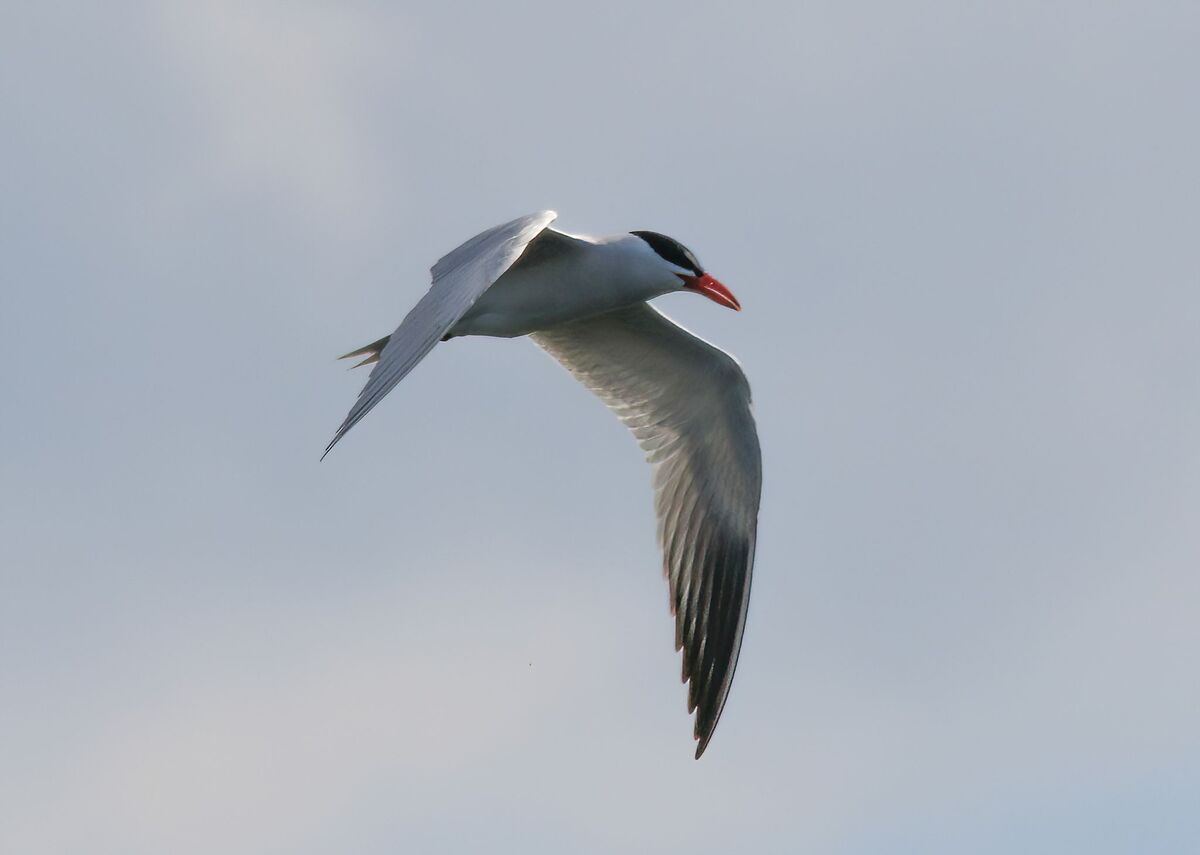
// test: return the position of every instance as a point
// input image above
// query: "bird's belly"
(519, 303)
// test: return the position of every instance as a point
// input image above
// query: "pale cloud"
(963, 237)
(279, 90)
(267, 723)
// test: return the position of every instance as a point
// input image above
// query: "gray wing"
(459, 279)
(688, 404)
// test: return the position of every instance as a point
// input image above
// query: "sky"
(965, 239)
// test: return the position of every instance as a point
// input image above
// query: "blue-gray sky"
(965, 237)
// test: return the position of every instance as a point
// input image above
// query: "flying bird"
(585, 302)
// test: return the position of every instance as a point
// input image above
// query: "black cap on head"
(672, 250)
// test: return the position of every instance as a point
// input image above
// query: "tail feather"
(371, 351)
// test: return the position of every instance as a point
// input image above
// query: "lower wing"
(688, 404)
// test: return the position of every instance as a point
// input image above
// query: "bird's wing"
(459, 279)
(688, 404)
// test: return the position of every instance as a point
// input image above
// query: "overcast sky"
(966, 239)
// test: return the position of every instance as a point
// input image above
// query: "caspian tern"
(583, 300)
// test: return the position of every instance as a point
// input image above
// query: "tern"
(584, 301)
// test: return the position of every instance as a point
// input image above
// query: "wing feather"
(459, 279)
(688, 405)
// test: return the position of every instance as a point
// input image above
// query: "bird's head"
(681, 265)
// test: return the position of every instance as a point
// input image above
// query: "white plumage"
(583, 301)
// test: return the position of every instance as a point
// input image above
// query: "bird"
(585, 301)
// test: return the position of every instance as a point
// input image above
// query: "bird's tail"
(371, 351)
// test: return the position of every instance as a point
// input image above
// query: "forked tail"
(371, 351)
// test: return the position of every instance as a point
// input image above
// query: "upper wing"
(688, 404)
(459, 279)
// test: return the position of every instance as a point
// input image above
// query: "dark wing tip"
(341, 431)
(713, 630)
(708, 713)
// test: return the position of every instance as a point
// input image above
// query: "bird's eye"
(672, 251)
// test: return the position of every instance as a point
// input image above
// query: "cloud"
(279, 92)
(962, 236)
(253, 725)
